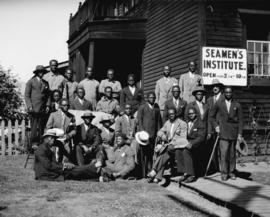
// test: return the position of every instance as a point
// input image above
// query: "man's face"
(192, 67)
(89, 72)
(166, 71)
(108, 93)
(87, 121)
(53, 66)
(216, 90)
(40, 74)
(80, 93)
(151, 99)
(176, 92)
(119, 140)
(64, 106)
(50, 140)
(191, 114)
(69, 74)
(172, 115)
(131, 81)
(110, 75)
(228, 93)
(128, 110)
(199, 96)
(106, 124)
(56, 96)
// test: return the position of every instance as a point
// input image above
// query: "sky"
(33, 32)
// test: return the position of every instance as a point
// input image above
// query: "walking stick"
(211, 157)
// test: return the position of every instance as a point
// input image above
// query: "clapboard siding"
(171, 38)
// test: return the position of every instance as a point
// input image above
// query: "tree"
(10, 98)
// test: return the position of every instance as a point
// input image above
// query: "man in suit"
(108, 104)
(64, 120)
(227, 119)
(188, 81)
(201, 108)
(80, 103)
(69, 86)
(177, 103)
(88, 142)
(131, 95)
(126, 123)
(163, 89)
(47, 168)
(38, 103)
(173, 135)
(190, 155)
(149, 120)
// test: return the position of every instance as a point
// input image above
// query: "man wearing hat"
(37, 102)
(89, 143)
(47, 168)
(123, 162)
(201, 108)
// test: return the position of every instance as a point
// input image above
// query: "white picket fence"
(13, 138)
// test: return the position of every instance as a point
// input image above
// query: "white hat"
(49, 132)
(142, 137)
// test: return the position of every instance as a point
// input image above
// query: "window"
(258, 54)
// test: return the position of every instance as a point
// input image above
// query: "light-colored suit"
(179, 131)
(187, 85)
(163, 90)
(122, 125)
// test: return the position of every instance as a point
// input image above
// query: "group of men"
(172, 126)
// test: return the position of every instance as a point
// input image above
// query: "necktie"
(215, 99)
(190, 125)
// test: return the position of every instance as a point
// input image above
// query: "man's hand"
(217, 129)
(209, 135)
(115, 175)
(47, 109)
(158, 147)
(30, 109)
(68, 166)
(239, 138)
(164, 138)
(98, 164)
(189, 146)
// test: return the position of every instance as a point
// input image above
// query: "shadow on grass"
(190, 205)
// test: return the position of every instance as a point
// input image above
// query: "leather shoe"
(224, 177)
(183, 177)
(190, 179)
(232, 176)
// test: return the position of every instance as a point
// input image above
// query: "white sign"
(228, 65)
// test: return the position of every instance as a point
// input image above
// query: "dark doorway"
(124, 56)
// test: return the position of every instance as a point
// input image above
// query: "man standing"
(89, 144)
(69, 86)
(38, 103)
(47, 168)
(54, 78)
(164, 87)
(108, 104)
(90, 86)
(201, 108)
(131, 95)
(80, 103)
(110, 82)
(177, 103)
(190, 156)
(149, 120)
(188, 81)
(227, 119)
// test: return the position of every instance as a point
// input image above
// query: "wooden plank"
(3, 144)
(16, 137)
(9, 138)
(23, 133)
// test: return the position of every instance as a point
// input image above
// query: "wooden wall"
(171, 38)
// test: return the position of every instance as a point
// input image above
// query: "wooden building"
(141, 36)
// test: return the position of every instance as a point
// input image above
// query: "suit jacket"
(90, 137)
(230, 123)
(53, 107)
(56, 121)
(179, 131)
(46, 167)
(197, 134)
(180, 110)
(107, 138)
(76, 105)
(149, 119)
(122, 125)
(163, 91)
(37, 94)
(187, 85)
(127, 97)
(203, 117)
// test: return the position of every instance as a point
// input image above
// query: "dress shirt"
(132, 89)
(190, 125)
(228, 105)
(55, 80)
(191, 75)
(151, 107)
(171, 131)
(176, 102)
(86, 127)
(200, 105)
(80, 100)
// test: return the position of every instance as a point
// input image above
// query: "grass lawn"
(21, 195)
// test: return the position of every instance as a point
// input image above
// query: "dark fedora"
(216, 82)
(88, 115)
(40, 68)
(198, 89)
(105, 119)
